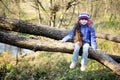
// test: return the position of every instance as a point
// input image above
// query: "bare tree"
(66, 7)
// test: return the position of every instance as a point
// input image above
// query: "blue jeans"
(84, 54)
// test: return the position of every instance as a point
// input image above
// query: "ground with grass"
(50, 66)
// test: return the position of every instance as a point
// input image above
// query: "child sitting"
(84, 36)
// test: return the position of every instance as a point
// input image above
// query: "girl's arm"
(93, 39)
(69, 36)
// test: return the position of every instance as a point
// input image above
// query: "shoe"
(73, 65)
(82, 68)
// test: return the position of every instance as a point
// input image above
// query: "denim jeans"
(84, 54)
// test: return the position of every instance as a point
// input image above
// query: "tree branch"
(7, 7)
(43, 30)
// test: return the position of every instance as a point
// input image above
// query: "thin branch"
(42, 7)
(7, 7)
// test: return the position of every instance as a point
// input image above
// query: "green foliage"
(113, 23)
(50, 66)
(108, 46)
(13, 74)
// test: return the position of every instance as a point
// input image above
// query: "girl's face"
(83, 21)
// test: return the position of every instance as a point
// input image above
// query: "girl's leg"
(75, 56)
(84, 56)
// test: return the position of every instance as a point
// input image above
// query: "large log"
(56, 46)
(43, 30)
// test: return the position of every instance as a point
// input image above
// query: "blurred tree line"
(59, 13)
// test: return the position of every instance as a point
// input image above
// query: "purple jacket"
(88, 35)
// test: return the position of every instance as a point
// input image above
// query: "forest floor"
(42, 65)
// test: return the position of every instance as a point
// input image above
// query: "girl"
(84, 36)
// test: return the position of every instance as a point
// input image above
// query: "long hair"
(78, 34)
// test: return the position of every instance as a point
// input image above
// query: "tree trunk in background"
(38, 10)
(66, 7)
(98, 8)
(106, 7)
(56, 46)
(54, 8)
(51, 17)
(113, 9)
(43, 30)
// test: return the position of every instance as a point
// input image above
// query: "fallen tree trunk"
(43, 30)
(57, 46)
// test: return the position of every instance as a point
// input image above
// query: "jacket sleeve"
(69, 36)
(93, 38)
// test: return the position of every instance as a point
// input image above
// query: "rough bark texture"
(34, 44)
(43, 30)
(106, 60)
(56, 46)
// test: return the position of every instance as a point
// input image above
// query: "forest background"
(62, 14)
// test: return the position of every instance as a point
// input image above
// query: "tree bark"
(106, 60)
(56, 46)
(43, 30)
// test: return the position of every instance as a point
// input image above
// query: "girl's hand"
(61, 41)
(97, 50)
